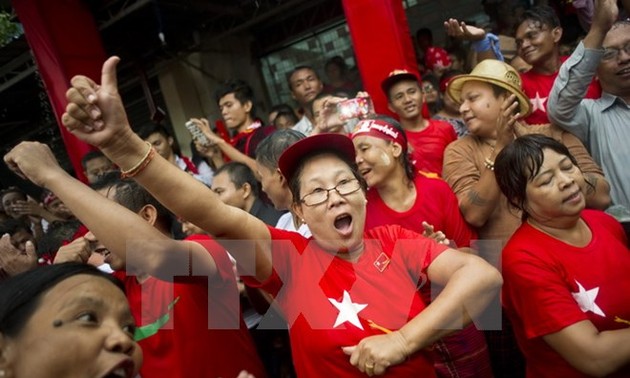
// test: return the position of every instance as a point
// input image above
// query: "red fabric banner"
(65, 42)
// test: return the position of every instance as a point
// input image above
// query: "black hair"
(133, 196)
(435, 82)
(269, 149)
(57, 233)
(424, 32)
(240, 174)
(20, 295)
(149, 129)
(320, 95)
(289, 114)
(282, 108)
(542, 15)
(449, 73)
(12, 189)
(90, 156)
(11, 226)
(242, 91)
(405, 158)
(295, 180)
(300, 68)
(337, 61)
(519, 162)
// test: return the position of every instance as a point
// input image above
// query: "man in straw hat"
(601, 124)
(491, 102)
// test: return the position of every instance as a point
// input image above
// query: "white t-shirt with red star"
(330, 303)
(549, 285)
(537, 87)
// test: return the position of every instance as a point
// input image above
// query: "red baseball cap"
(397, 76)
(292, 157)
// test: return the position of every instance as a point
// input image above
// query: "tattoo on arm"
(476, 199)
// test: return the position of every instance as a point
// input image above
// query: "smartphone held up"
(197, 134)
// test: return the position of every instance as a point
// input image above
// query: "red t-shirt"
(463, 353)
(205, 335)
(427, 146)
(248, 140)
(549, 285)
(435, 203)
(312, 286)
(538, 86)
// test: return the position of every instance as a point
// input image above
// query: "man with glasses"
(603, 124)
(427, 138)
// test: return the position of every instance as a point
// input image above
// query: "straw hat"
(494, 72)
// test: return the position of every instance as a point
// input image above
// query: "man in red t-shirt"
(538, 43)
(427, 138)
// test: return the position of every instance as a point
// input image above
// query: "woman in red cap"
(349, 295)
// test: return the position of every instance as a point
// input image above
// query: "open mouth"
(343, 223)
(365, 171)
(124, 369)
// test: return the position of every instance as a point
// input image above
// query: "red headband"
(379, 129)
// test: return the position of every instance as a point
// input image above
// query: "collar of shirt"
(608, 100)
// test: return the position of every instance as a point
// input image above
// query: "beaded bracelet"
(489, 164)
(141, 165)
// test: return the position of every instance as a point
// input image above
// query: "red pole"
(382, 43)
(65, 42)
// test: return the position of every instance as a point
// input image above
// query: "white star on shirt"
(586, 300)
(538, 103)
(348, 311)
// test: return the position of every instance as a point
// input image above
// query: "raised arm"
(123, 232)
(95, 114)
(564, 105)
(224, 146)
(485, 45)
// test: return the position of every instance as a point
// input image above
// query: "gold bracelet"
(489, 164)
(133, 171)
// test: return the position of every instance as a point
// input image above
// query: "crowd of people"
(478, 230)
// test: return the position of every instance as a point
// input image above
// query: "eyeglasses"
(611, 53)
(320, 195)
(427, 88)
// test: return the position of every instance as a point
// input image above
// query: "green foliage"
(9, 29)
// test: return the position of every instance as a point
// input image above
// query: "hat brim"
(456, 84)
(292, 157)
(390, 81)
